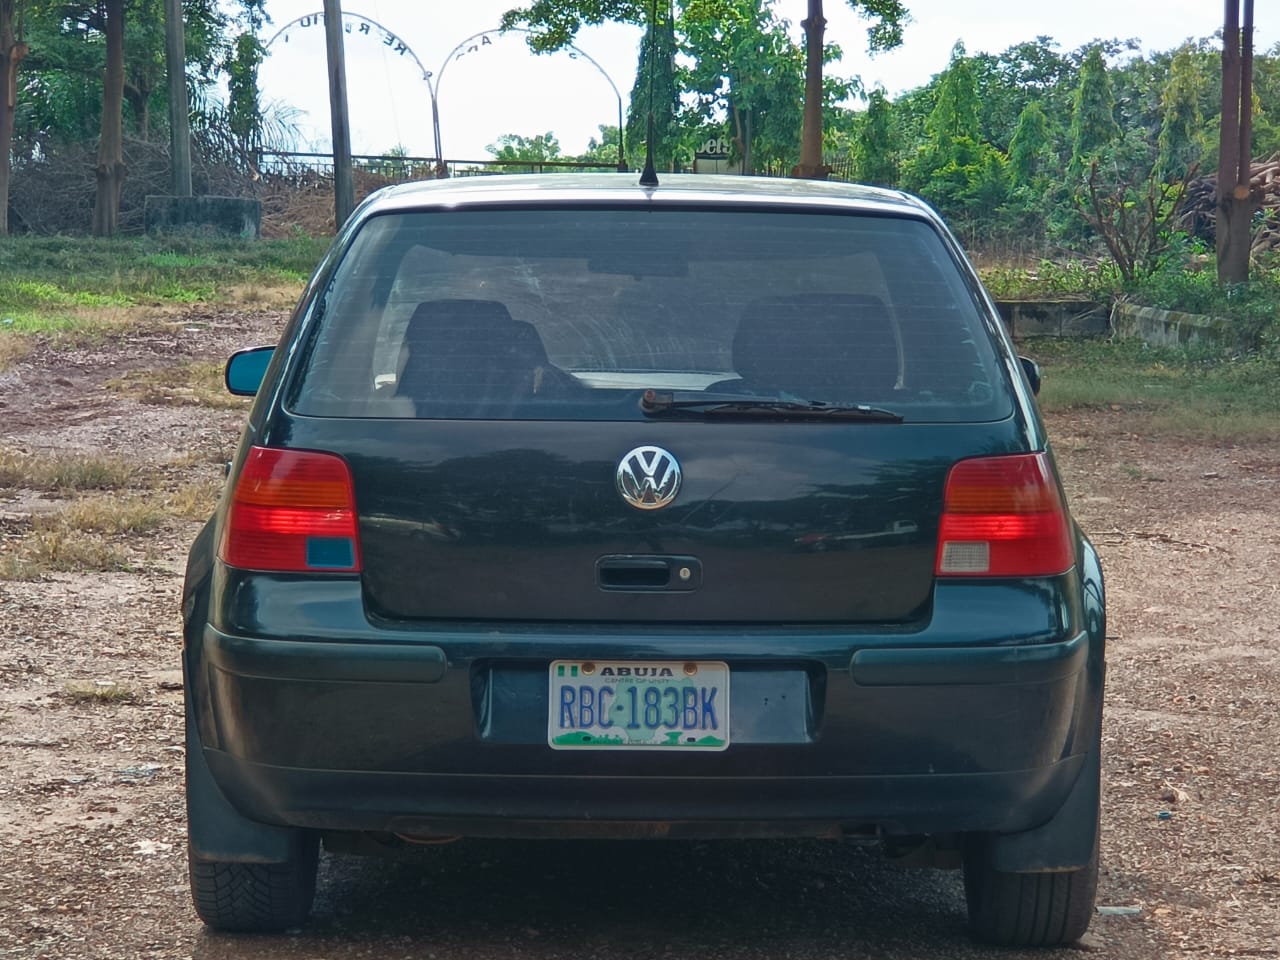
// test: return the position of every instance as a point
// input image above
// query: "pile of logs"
(1200, 206)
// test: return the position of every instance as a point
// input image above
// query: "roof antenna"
(649, 176)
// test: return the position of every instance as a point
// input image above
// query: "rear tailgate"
(773, 522)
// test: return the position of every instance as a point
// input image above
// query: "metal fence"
(297, 165)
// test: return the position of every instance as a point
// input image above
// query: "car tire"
(1028, 909)
(255, 897)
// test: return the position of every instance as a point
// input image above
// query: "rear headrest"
(823, 346)
(469, 349)
(466, 328)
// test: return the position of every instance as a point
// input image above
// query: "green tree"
(244, 110)
(98, 66)
(520, 154)
(746, 67)
(655, 85)
(1266, 90)
(954, 168)
(1031, 146)
(1033, 71)
(1181, 128)
(772, 74)
(1093, 122)
(602, 150)
(951, 134)
(955, 114)
(875, 149)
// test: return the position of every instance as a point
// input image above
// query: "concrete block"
(1053, 318)
(226, 216)
(1171, 328)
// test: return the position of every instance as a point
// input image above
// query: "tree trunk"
(175, 59)
(810, 166)
(111, 169)
(138, 97)
(11, 53)
(742, 135)
(1236, 202)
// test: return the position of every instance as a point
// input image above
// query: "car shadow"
(766, 899)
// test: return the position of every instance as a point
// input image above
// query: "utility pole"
(1237, 200)
(175, 57)
(344, 199)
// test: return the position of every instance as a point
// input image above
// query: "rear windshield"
(540, 313)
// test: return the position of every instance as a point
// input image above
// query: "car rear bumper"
(450, 737)
(442, 805)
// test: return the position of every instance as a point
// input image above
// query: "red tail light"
(292, 510)
(1004, 517)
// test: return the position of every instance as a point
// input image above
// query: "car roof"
(625, 188)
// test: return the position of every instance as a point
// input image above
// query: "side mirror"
(1031, 370)
(245, 370)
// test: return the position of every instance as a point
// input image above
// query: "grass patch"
(1052, 280)
(65, 473)
(186, 384)
(111, 516)
(58, 550)
(1252, 308)
(194, 501)
(66, 284)
(84, 324)
(264, 296)
(98, 691)
(133, 270)
(93, 534)
(1184, 392)
(17, 292)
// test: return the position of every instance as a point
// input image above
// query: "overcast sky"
(501, 88)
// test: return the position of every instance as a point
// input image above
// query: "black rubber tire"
(255, 897)
(1028, 909)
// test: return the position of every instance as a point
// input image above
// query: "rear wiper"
(655, 403)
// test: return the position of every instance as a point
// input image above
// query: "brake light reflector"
(293, 511)
(1004, 517)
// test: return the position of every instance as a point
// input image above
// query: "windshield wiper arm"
(655, 403)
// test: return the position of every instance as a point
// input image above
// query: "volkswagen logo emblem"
(648, 478)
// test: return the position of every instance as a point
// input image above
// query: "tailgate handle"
(648, 573)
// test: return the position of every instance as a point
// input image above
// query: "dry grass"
(64, 550)
(66, 473)
(262, 296)
(100, 533)
(98, 691)
(187, 384)
(195, 457)
(13, 347)
(110, 516)
(194, 501)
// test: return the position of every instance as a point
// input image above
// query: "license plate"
(649, 705)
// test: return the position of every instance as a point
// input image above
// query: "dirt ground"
(92, 859)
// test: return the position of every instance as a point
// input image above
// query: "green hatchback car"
(571, 507)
